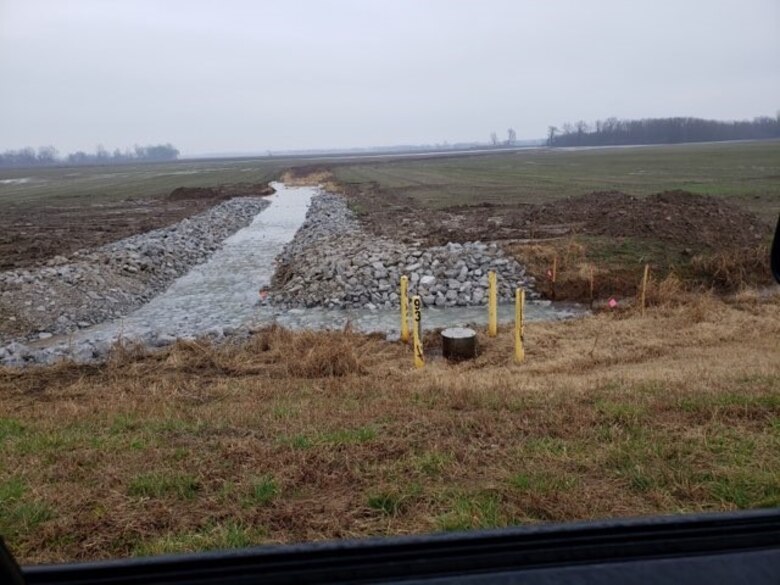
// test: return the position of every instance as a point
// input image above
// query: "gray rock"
(163, 339)
(78, 290)
(17, 349)
(83, 353)
(215, 332)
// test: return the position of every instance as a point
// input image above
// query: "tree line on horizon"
(48, 156)
(613, 131)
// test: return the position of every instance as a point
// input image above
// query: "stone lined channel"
(220, 296)
(213, 298)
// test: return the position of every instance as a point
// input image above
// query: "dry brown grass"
(616, 267)
(581, 274)
(732, 270)
(306, 436)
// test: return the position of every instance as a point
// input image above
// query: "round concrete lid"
(459, 333)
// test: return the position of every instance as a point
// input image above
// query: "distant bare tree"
(47, 155)
(101, 154)
(511, 136)
(582, 129)
(664, 131)
(494, 139)
(551, 132)
(79, 158)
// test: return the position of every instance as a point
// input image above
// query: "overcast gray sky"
(234, 75)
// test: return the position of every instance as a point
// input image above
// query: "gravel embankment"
(333, 262)
(93, 286)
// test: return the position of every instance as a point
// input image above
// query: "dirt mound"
(221, 192)
(676, 217)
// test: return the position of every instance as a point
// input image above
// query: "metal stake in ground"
(405, 309)
(492, 305)
(419, 360)
(519, 323)
(592, 278)
(644, 287)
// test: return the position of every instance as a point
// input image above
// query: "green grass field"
(71, 185)
(747, 174)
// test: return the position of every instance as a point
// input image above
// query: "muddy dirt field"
(673, 217)
(33, 235)
(707, 242)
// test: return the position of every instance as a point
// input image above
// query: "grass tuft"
(387, 503)
(18, 515)
(263, 491)
(10, 428)
(472, 512)
(229, 535)
(543, 482)
(163, 484)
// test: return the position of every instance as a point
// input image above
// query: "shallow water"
(389, 321)
(21, 181)
(223, 292)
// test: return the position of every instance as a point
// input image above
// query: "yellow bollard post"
(519, 318)
(644, 286)
(492, 305)
(419, 360)
(592, 279)
(405, 309)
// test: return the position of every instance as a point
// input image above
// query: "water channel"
(222, 293)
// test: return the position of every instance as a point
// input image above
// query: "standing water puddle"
(223, 291)
(389, 321)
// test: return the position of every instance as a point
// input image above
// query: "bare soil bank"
(221, 192)
(704, 241)
(674, 217)
(32, 235)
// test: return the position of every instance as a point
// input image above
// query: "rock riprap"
(334, 263)
(93, 286)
